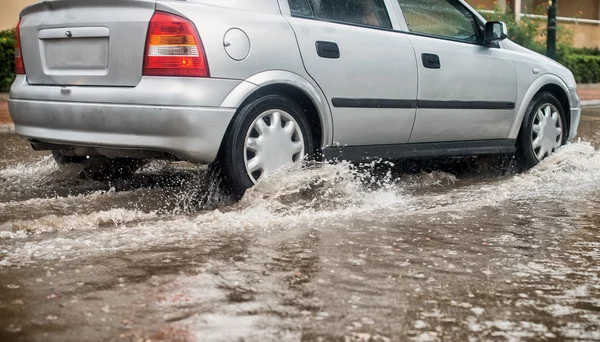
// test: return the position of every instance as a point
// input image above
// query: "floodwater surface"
(322, 253)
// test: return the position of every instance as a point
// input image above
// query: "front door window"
(442, 18)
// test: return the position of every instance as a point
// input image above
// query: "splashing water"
(299, 196)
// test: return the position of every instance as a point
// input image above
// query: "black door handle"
(328, 50)
(431, 61)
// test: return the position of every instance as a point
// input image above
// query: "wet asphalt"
(325, 253)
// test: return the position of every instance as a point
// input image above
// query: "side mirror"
(494, 32)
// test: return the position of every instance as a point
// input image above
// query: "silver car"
(252, 86)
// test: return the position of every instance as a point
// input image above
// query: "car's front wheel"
(266, 134)
(543, 132)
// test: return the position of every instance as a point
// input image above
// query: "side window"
(444, 18)
(362, 12)
(300, 8)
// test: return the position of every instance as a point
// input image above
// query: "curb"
(590, 103)
(7, 128)
(588, 86)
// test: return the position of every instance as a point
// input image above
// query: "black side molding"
(421, 150)
(339, 102)
(373, 103)
(465, 105)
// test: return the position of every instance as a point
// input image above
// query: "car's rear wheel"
(543, 132)
(266, 134)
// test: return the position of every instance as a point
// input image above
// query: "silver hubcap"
(547, 133)
(273, 140)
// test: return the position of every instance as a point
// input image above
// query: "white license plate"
(79, 54)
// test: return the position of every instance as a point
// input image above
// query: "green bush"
(585, 51)
(7, 59)
(586, 68)
(8, 34)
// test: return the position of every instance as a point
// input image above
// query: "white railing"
(563, 19)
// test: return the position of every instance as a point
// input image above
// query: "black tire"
(230, 162)
(526, 156)
(62, 159)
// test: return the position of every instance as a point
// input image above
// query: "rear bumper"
(177, 115)
(189, 133)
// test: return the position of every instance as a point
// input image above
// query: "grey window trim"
(398, 22)
(400, 15)
(444, 38)
(315, 18)
(473, 11)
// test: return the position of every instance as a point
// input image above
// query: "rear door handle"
(328, 50)
(431, 61)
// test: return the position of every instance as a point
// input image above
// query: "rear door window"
(443, 18)
(359, 12)
(300, 8)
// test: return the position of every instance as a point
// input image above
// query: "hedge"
(586, 68)
(585, 51)
(7, 59)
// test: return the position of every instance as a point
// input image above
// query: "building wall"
(585, 9)
(584, 35)
(9, 12)
(488, 4)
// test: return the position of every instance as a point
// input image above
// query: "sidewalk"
(6, 124)
(589, 95)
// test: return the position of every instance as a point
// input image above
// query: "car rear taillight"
(19, 66)
(174, 48)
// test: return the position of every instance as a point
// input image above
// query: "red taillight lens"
(20, 67)
(174, 48)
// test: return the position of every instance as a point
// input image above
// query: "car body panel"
(369, 98)
(534, 71)
(526, 96)
(272, 42)
(174, 91)
(189, 133)
(353, 77)
(279, 77)
(255, 6)
(70, 42)
(464, 78)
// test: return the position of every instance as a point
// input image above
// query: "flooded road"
(327, 253)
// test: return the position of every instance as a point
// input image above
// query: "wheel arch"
(294, 86)
(550, 83)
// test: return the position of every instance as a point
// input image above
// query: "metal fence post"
(551, 44)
